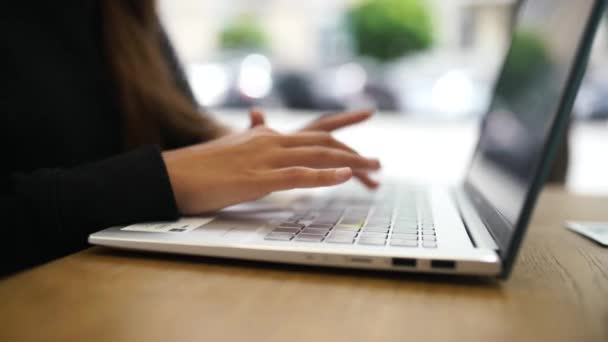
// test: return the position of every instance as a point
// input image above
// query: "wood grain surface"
(558, 292)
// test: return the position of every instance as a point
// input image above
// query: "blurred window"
(427, 58)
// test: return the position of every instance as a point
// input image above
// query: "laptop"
(475, 228)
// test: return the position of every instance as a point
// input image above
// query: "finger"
(317, 139)
(366, 180)
(303, 177)
(256, 117)
(323, 157)
(333, 122)
(313, 139)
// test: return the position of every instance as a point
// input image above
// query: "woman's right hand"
(250, 165)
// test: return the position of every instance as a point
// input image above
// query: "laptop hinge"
(475, 226)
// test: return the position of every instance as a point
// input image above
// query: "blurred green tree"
(243, 33)
(389, 29)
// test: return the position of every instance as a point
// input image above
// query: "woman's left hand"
(327, 123)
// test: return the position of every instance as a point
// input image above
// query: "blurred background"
(427, 65)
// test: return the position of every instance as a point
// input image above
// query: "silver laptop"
(474, 229)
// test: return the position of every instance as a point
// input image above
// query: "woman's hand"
(325, 123)
(249, 165)
(328, 123)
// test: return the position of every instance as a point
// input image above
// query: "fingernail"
(375, 163)
(343, 174)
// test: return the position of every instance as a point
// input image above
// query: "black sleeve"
(50, 212)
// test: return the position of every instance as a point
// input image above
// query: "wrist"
(176, 180)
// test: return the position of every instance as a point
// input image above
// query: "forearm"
(50, 212)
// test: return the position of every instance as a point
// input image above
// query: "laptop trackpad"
(227, 229)
(238, 225)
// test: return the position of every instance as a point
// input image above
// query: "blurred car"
(249, 79)
(237, 80)
(442, 85)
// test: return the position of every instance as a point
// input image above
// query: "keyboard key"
(405, 236)
(375, 229)
(324, 222)
(321, 226)
(286, 230)
(330, 214)
(309, 238)
(354, 223)
(405, 230)
(398, 225)
(371, 241)
(372, 224)
(429, 244)
(383, 212)
(324, 217)
(327, 219)
(341, 240)
(317, 231)
(357, 213)
(409, 222)
(343, 234)
(333, 215)
(407, 218)
(291, 225)
(373, 235)
(380, 219)
(378, 222)
(403, 243)
(345, 229)
(279, 236)
(429, 238)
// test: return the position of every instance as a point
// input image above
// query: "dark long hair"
(156, 111)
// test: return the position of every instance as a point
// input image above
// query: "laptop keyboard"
(370, 220)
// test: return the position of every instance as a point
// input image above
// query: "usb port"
(444, 264)
(409, 262)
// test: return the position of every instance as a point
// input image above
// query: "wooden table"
(558, 292)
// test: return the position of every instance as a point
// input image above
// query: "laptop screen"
(527, 100)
